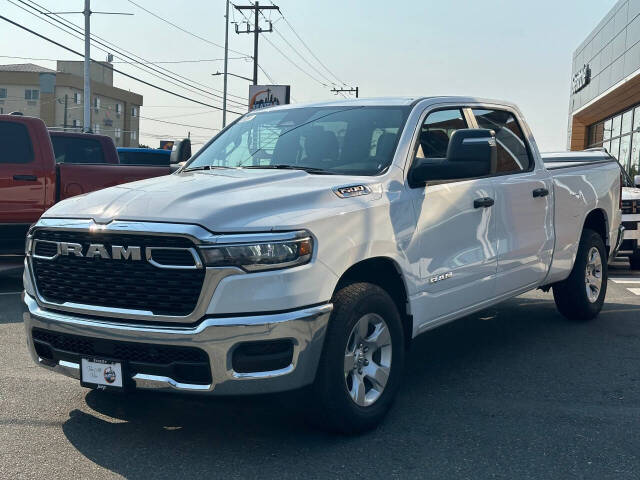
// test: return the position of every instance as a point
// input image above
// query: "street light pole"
(87, 61)
(256, 33)
(226, 60)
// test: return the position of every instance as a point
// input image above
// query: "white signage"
(581, 79)
(263, 96)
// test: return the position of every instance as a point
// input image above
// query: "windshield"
(332, 140)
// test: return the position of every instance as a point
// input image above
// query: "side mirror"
(636, 181)
(471, 153)
(181, 152)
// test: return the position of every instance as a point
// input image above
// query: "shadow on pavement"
(10, 286)
(494, 388)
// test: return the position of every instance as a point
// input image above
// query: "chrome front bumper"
(216, 336)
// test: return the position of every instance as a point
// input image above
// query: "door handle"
(483, 202)
(540, 192)
(25, 178)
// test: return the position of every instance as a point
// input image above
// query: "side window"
(513, 156)
(16, 143)
(436, 132)
(77, 150)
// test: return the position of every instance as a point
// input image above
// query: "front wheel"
(581, 295)
(362, 362)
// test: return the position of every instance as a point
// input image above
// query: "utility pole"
(66, 99)
(86, 123)
(256, 31)
(346, 90)
(226, 61)
(86, 127)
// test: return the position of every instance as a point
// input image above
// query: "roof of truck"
(388, 101)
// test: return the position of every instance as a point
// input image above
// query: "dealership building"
(604, 107)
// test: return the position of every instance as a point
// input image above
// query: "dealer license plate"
(102, 374)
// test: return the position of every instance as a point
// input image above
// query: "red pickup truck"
(38, 168)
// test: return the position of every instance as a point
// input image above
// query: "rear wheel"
(634, 261)
(582, 294)
(362, 362)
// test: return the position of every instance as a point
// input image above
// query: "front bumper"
(218, 337)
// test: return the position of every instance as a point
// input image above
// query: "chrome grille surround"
(196, 234)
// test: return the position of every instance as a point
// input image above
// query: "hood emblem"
(349, 191)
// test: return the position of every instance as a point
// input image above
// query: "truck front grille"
(183, 364)
(125, 284)
(630, 207)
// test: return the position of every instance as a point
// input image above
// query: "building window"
(3, 93)
(134, 135)
(118, 108)
(77, 98)
(118, 131)
(96, 128)
(134, 112)
(31, 94)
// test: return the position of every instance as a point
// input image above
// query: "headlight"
(262, 255)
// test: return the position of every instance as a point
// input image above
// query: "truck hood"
(222, 200)
(630, 193)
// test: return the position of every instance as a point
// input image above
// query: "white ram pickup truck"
(306, 245)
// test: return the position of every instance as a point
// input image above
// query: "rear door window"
(16, 143)
(513, 155)
(77, 150)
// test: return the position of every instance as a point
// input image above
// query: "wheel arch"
(597, 221)
(385, 273)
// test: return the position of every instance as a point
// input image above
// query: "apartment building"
(56, 96)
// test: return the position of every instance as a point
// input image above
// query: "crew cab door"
(456, 241)
(523, 204)
(22, 175)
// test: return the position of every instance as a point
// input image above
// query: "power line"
(200, 60)
(285, 56)
(110, 45)
(266, 74)
(296, 50)
(307, 47)
(257, 10)
(303, 58)
(184, 30)
(180, 124)
(2, 17)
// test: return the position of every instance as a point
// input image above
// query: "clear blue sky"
(514, 50)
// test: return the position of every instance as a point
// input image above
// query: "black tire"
(571, 295)
(335, 410)
(634, 261)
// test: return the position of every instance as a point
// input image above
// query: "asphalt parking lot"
(515, 391)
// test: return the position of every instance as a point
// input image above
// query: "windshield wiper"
(318, 171)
